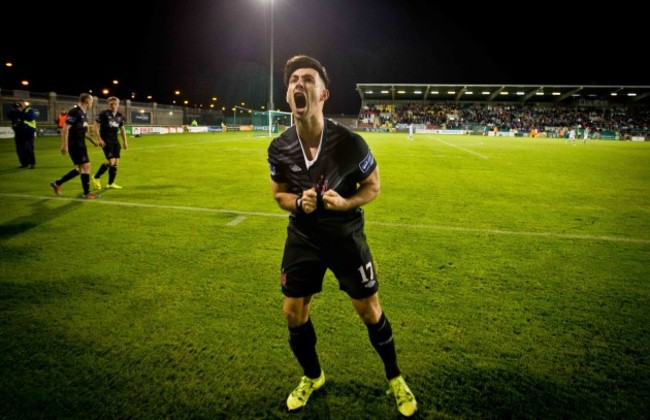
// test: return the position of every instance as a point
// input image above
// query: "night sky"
(222, 47)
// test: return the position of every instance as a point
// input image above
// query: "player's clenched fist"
(333, 201)
(309, 200)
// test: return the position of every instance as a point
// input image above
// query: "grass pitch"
(514, 271)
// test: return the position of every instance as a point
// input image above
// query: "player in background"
(73, 142)
(107, 124)
(322, 173)
(572, 136)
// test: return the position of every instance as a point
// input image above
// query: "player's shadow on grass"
(38, 169)
(14, 169)
(42, 213)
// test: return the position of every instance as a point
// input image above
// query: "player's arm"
(292, 202)
(93, 142)
(367, 191)
(64, 139)
(123, 133)
(100, 142)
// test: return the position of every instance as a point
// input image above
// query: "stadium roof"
(390, 92)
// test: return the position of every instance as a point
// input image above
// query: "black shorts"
(112, 150)
(78, 153)
(304, 264)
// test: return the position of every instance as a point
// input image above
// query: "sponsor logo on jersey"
(367, 162)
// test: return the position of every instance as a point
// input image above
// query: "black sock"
(302, 340)
(85, 183)
(112, 173)
(101, 170)
(67, 177)
(381, 337)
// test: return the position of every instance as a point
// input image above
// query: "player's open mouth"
(300, 100)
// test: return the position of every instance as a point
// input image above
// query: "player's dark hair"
(304, 61)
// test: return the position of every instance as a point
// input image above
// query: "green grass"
(514, 271)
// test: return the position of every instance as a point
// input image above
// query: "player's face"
(113, 105)
(306, 93)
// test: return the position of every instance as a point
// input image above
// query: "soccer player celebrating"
(323, 173)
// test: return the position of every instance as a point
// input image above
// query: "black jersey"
(343, 161)
(109, 125)
(77, 119)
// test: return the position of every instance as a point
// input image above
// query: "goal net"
(279, 121)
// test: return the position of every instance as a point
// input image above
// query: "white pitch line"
(517, 233)
(243, 214)
(461, 148)
(145, 205)
(237, 220)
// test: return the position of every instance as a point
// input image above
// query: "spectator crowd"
(528, 118)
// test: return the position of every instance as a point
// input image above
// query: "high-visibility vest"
(31, 123)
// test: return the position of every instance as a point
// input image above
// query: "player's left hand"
(333, 201)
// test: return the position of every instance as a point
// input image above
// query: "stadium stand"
(616, 112)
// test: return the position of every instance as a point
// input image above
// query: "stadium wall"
(48, 106)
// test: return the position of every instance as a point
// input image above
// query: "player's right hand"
(309, 200)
